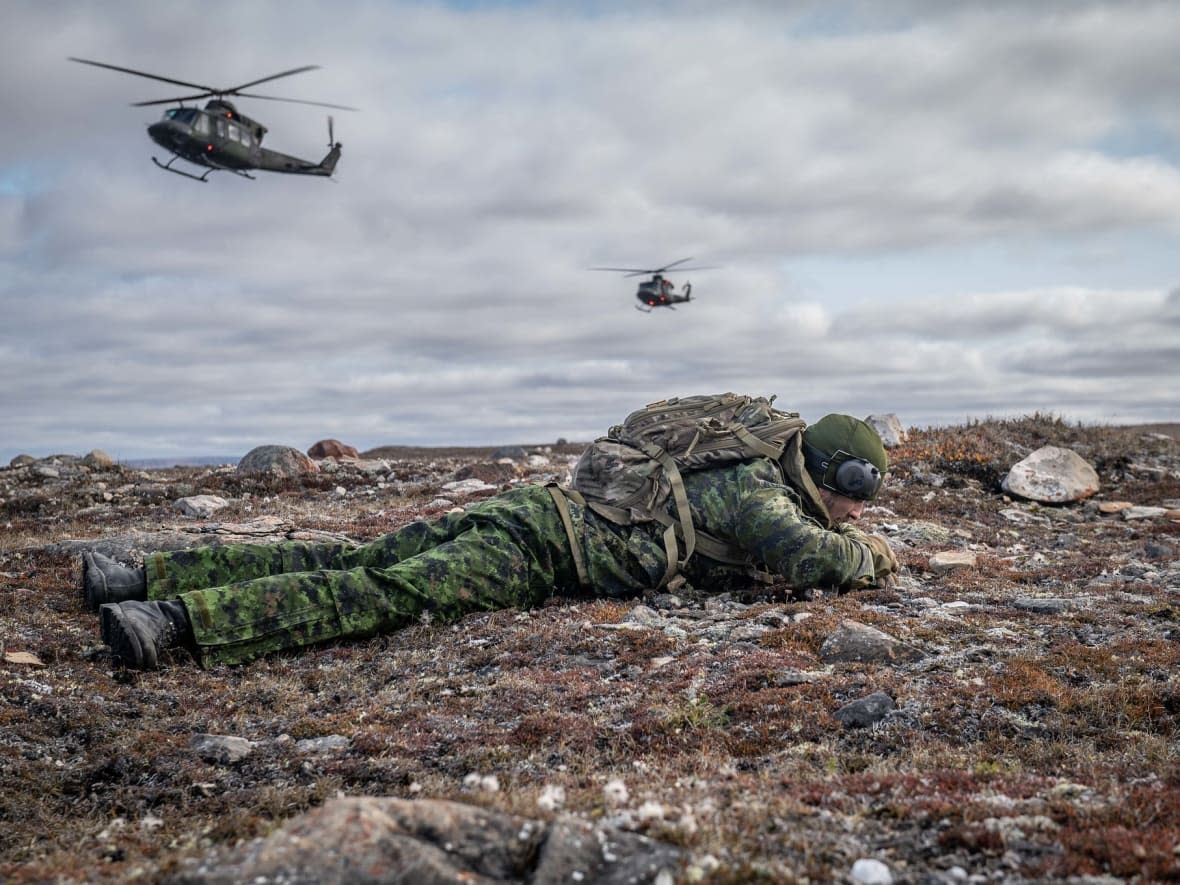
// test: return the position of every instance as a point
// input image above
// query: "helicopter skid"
(167, 167)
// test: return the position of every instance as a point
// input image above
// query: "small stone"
(1043, 605)
(865, 711)
(1114, 506)
(950, 560)
(326, 744)
(202, 506)
(220, 748)
(853, 642)
(1144, 512)
(868, 871)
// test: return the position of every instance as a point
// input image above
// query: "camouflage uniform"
(510, 551)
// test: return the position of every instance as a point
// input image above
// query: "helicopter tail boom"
(328, 164)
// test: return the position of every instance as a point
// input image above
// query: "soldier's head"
(846, 459)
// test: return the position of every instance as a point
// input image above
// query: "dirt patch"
(1033, 739)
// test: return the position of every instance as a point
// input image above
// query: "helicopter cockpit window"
(201, 124)
(181, 115)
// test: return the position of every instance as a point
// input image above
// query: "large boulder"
(277, 461)
(332, 448)
(1051, 475)
(889, 428)
(97, 458)
(370, 839)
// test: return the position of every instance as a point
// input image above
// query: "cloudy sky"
(944, 211)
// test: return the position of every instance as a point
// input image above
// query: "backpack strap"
(559, 496)
(752, 442)
(680, 496)
(619, 516)
(719, 551)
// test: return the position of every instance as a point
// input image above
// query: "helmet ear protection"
(844, 473)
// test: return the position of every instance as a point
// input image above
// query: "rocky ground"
(1007, 711)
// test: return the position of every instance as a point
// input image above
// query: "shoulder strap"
(559, 498)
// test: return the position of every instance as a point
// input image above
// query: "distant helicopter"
(658, 291)
(218, 137)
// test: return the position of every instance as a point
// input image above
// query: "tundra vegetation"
(1033, 735)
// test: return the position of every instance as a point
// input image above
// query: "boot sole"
(124, 640)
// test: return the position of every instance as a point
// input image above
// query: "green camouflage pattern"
(749, 507)
(510, 551)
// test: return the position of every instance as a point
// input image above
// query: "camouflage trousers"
(511, 551)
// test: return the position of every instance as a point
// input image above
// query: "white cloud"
(438, 291)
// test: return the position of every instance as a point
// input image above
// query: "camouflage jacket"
(749, 506)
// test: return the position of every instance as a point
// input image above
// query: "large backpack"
(628, 475)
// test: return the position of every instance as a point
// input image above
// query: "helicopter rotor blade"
(319, 104)
(331, 137)
(271, 77)
(99, 64)
(144, 104)
(637, 271)
(211, 91)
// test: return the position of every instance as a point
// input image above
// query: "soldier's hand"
(884, 562)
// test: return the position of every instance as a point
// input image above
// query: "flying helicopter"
(218, 137)
(659, 291)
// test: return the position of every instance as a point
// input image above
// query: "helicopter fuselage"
(660, 292)
(218, 137)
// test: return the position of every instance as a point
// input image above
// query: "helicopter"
(218, 137)
(658, 291)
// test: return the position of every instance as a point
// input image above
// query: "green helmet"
(845, 455)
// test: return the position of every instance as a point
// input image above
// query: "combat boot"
(105, 580)
(138, 631)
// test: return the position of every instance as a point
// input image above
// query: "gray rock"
(492, 472)
(277, 461)
(327, 744)
(950, 560)
(645, 615)
(221, 749)
(1043, 605)
(916, 532)
(468, 487)
(869, 871)
(430, 842)
(515, 453)
(1023, 517)
(865, 711)
(577, 851)
(1144, 512)
(98, 458)
(1051, 475)
(202, 506)
(854, 642)
(889, 428)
